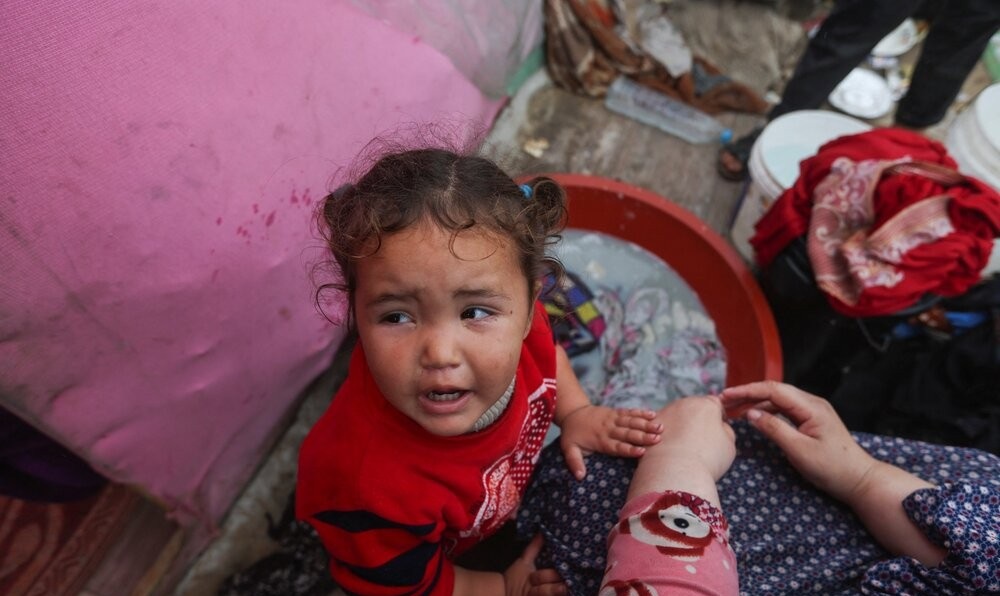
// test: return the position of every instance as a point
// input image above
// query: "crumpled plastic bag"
(486, 41)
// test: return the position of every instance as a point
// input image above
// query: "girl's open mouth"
(449, 396)
(445, 402)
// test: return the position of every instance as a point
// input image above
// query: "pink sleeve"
(671, 542)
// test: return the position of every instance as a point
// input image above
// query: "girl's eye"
(395, 318)
(475, 313)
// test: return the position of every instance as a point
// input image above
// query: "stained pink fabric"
(159, 163)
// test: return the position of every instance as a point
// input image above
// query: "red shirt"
(394, 504)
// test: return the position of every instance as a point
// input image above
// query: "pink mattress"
(159, 166)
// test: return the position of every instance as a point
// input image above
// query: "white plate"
(794, 136)
(900, 41)
(862, 93)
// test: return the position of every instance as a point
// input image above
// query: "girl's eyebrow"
(390, 297)
(481, 293)
(461, 293)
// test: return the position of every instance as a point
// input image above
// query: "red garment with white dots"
(394, 504)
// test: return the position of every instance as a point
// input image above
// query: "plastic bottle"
(651, 107)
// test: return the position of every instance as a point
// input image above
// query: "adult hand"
(522, 578)
(818, 445)
(591, 428)
(808, 431)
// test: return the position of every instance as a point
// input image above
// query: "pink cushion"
(159, 166)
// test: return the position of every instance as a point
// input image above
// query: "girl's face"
(442, 326)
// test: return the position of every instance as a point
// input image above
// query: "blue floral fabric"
(789, 538)
(965, 519)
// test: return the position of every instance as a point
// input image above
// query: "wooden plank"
(137, 550)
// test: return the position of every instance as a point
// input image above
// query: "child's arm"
(697, 448)
(820, 447)
(672, 537)
(587, 427)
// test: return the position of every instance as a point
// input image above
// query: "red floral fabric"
(887, 220)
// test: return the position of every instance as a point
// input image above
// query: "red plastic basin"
(709, 265)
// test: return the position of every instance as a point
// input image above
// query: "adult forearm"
(878, 502)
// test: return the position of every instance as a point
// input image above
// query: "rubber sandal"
(738, 151)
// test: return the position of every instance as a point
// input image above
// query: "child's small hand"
(522, 578)
(615, 432)
(814, 438)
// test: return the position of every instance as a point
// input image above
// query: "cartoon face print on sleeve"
(668, 541)
(672, 528)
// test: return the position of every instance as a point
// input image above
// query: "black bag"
(938, 384)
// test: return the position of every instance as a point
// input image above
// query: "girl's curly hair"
(456, 192)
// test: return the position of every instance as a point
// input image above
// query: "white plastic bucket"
(974, 141)
(974, 137)
(774, 163)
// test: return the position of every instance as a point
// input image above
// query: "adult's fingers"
(783, 434)
(797, 405)
(737, 408)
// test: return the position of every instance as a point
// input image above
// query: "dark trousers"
(958, 35)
